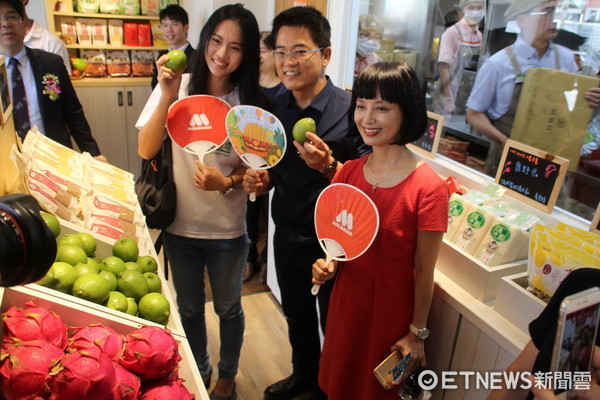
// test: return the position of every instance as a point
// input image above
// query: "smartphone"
(390, 370)
(576, 333)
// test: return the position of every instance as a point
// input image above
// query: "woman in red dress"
(380, 301)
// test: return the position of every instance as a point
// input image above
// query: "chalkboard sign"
(595, 226)
(531, 175)
(427, 144)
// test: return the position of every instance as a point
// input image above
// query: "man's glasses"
(299, 54)
(10, 18)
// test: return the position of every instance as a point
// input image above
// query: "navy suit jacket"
(63, 118)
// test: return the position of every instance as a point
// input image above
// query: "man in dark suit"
(174, 24)
(41, 89)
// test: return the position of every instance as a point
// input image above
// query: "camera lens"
(27, 247)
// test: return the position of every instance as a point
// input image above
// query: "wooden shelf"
(112, 81)
(107, 16)
(113, 47)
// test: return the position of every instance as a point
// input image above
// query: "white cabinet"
(112, 112)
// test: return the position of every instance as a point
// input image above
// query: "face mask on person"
(475, 15)
(366, 47)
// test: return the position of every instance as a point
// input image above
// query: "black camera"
(27, 246)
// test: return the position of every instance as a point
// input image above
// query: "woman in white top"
(209, 228)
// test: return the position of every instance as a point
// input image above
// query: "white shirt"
(33, 105)
(203, 214)
(41, 38)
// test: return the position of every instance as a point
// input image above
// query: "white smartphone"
(576, 333)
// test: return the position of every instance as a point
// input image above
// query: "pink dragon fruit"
(25, 368)
(96, 335)
(127, 385)
(166, 389)
(34, 323)
(150, 352)
(84, 374)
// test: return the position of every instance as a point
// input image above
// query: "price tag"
(427, 144)
(531, 175)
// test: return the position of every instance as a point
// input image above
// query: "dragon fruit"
(150, 352)
(87, 374)
(127, 385)
(34, 323)
(25, 368)
(96, 335)
(166, 389)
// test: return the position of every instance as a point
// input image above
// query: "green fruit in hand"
(132, 307)
(148, 264)
(177, 60)
(91, 287)
(301, 127)
(52, 223)
(78, 64)
(117, 301)
(155, 307)
(153, 281)
(126, 249)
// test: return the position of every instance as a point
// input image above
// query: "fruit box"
(478, 279)
(104, 249)
(515, 303)
(73, 315)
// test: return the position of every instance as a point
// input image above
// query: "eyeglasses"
(369, 35)
(546, 12)
(299, 54)
(10, 18)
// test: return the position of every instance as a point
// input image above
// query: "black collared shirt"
(296, 185)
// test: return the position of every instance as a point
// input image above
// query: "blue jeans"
(225, 260)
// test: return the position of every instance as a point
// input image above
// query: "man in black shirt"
(301, 38)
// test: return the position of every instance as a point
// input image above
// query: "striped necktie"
(20, 110)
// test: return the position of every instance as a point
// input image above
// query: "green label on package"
(476, 220)
(455, 208)
(500, 233)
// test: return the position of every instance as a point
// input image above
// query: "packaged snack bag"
(88, 6)
(99, 31)
(130, 33)
(84, 31)
(115, 32)
(129, 7)
(149, 7)
(477, 222)
(142, 62)
(117, 63)
(157, 36)
(458, 208)
(96, 63)
(109, 6)
(68, 28)
(144, 35)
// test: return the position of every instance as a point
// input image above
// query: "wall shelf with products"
(113, 47)
(107, 16)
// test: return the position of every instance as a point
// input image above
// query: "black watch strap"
(329, 171)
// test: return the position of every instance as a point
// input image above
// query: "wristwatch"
(420, 333)
(329, 171)
(232, 188)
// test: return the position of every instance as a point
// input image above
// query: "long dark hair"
(397, 83)
(246, 76)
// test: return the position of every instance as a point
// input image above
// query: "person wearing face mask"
(370, 28)
(459, 50)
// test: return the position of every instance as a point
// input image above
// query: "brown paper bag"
(553, 114)
(11, 181)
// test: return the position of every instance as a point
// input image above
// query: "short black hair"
(306, 17)
(397, 83)
(17, 5)
(174, 13)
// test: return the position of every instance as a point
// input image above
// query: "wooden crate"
(80, 315)
(479, 280)
(103, 250)
(515, 303)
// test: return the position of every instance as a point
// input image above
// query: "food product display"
(43, 358)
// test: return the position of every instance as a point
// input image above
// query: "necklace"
(377, 181)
